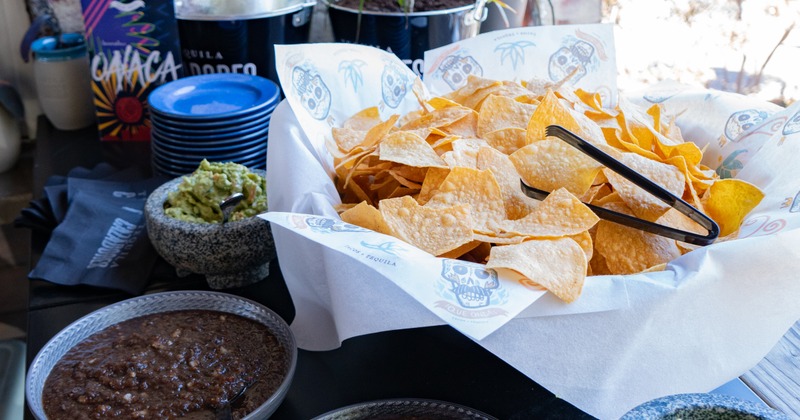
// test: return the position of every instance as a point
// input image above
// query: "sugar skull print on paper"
(472, 284)
(567, 59)
(456, 68)
(395, 82)
(742, 121)
(314, 94)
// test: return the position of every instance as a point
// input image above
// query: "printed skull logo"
(472, 283)
(455, 69)
(793, 125)
(314, 94)
(564, 61)
(394, 85)
(741, 121)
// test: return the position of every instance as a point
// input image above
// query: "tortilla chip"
(559, 265)
(434, 230)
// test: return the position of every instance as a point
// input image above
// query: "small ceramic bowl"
(231, 254)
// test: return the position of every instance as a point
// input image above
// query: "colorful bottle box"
(134, 48)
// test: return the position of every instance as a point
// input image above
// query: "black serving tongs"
(646, 184)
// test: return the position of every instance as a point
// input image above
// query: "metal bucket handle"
(304, 14)
(477, 14)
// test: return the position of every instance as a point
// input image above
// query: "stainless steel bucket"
(407, 35)
(238, 36)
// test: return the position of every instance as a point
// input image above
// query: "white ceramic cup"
(63, 81)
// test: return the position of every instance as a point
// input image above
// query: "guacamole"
(199, 194)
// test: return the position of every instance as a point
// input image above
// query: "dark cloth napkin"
(95, 218)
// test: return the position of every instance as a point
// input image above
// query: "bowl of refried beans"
(165, 355)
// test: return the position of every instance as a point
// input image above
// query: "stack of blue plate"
(220, 117)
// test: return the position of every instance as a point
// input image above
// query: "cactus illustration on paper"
(351, 72)
(513, 51)
(389, 247)
(731, 165)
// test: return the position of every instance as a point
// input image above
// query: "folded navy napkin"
(98, 235)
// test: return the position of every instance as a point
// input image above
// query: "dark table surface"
(430, 363)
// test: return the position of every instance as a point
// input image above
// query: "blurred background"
(743, 46)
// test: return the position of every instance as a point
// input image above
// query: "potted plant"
(406, 28)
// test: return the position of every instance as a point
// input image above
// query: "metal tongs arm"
(641, 181)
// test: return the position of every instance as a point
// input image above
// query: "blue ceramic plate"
(255, 160)
(194, 162)
(211, 122)
(258, 147)
(208, 148)
(701, 407)
(213, 96)
(190, 130)
(412, 408)
(171, 170)
(231, 141)
(211, 138)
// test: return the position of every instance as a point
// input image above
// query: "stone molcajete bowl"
(231, 254)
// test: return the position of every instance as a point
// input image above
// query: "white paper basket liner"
(711, 316)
